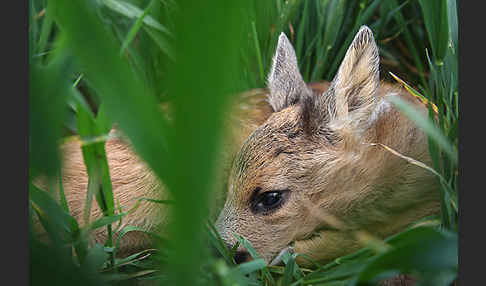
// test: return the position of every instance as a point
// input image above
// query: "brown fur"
(365, 186)
(318, 148)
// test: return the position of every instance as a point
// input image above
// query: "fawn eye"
(268, 201)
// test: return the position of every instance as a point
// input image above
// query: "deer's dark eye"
(268, 201)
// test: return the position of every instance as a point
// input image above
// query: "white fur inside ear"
(284, 81)
(355, 121)
(357, 79)
(381, 108)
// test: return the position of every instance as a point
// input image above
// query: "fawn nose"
(241, 256)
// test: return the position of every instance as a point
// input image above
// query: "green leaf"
(122, 276)
(62, 221)
(254, 254)
(289, 270)
(216, 241)
(46, 29)
(420, 249)
(49, 87)
(94, 156)
(132, 11)
(121, 93)
(362, 19)
(162, 42)
(130, 228)
(334, 18)
(103, 121)
(95, 259)
(452, 17)
(436, 21)
(338, 272)
(105, 220)
(135, 28)
(251, 266)
(62, 195)
(247, 245)
(258, 51)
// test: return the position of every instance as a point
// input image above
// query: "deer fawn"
(311, 176)
(302, 169)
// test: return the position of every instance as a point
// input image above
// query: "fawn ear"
(356, 83)
(285, 81)
(352, 94)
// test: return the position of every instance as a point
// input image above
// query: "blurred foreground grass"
(98, 62)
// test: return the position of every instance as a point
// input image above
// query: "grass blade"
(425, 124)
(258, 51)
(135, 28)
(436, 22)
(132, 11)
(100, 57)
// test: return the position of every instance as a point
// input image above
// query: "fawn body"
(300, 168)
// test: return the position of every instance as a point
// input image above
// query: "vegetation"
(94, 62)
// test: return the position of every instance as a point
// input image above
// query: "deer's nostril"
(241, 256)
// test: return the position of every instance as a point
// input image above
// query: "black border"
(15, 138)
(471, 112)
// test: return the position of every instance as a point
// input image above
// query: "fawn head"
(307, 157)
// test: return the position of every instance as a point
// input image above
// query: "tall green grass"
(96, 63)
